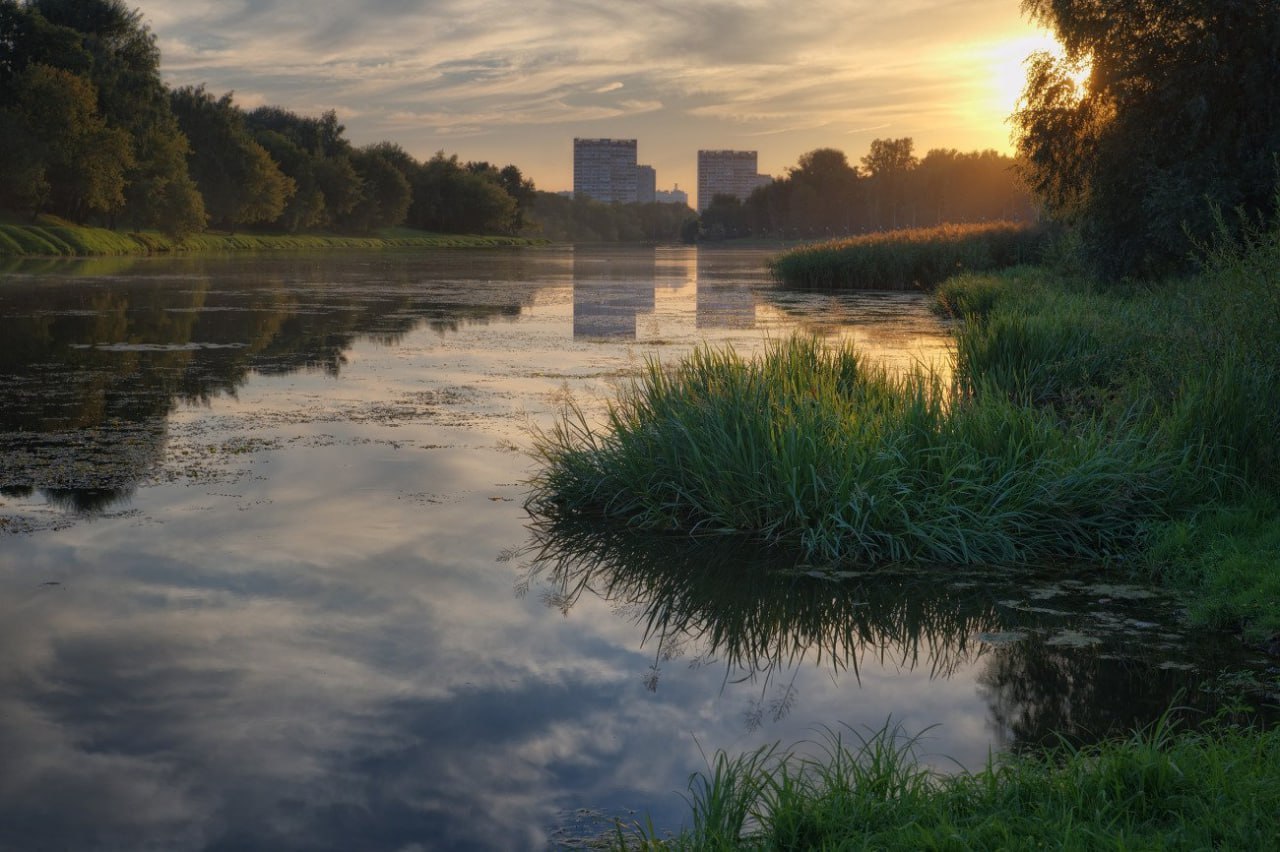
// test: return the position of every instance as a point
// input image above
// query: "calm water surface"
(266, 581)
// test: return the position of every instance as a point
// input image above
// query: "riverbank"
(1157, 789)
(911, 259)
(51, 237)
(1134, 427)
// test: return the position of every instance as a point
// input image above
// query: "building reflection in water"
(609, 291)
(613, 292)
(722, 301)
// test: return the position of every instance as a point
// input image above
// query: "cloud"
(727, 68)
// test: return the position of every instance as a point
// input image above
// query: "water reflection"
(296, 634)
(610, 291)
(1054, 658)
(92, 364)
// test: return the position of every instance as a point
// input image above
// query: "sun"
(1007, 69)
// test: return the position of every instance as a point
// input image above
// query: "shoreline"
(44, 240)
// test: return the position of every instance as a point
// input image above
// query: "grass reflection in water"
(1056, 658)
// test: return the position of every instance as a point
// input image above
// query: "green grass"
(53, 237)
(1228, 560)
(822, 451)
(1083, 422)
(1161, 788)
(909, 259)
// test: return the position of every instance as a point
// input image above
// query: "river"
(267, 580)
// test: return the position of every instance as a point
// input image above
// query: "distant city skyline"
(511, 82)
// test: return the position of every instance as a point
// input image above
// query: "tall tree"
(449, 197)
(319, 162)
(385, 194)
(888, 163)
(240, 182)
(71, 162)
(107, 44)
(1179, 114)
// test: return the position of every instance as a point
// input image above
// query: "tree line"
(825, 195)
(92, 134)
(1173, 138)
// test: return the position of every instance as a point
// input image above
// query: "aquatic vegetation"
(1081, 422)
(910, 259)
(820, 450)
(1162, 787)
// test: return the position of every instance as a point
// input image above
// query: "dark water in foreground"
(266, 581)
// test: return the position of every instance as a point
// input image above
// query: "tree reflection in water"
(1082, 669)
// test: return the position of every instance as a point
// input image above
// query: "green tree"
(305, 208)
(385, 196)
(1179, 114)
(106, 43)
(451, 198)
(71, 160)
(522, 190)
(889, 164)
(26, 38)
(159, 191)
(239, 181)
(831, 191)
(23, 185)
(319, 161)
(125, 68)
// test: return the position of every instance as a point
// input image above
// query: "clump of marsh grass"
(820, 450)
(1161, 787)
(910, 259)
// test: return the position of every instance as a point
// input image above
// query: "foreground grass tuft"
(1157, 789)
(825, 452)
(910, 259)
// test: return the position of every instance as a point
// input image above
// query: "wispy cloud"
(431, 71)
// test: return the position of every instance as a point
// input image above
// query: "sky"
(514, 81)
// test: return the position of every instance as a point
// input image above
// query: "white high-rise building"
(727, 173)
(605, 169)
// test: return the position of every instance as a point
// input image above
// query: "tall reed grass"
(910, 259)
(1160, 788)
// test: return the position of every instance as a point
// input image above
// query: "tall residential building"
(727, 173)
(646, 184)
(605, 169)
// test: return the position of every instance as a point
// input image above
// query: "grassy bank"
(50, 237)
(910, 259)
(1133, 426)
(1158, 789)
(825, 452)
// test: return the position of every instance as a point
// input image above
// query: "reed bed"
(1160, 788)
(911, 259)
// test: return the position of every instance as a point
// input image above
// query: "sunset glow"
(515, 82)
